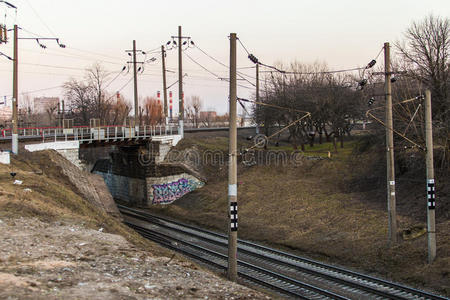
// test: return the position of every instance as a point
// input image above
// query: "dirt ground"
(65, 260)
(54, 244)
(333, 210)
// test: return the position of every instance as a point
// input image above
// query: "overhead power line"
(53, 66)
(248, 53)
(240, 74)
(61, 86)
(41, 19)
(201, 66)
(127, 83)
(70, 55)
(212, 73)
(96, 53)
(109, 83)
(309, 73)
(256, 61)
(35, 91)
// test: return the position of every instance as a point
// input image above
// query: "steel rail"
(340, 271)
(245, 265)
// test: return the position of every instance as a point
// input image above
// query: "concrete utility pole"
(59, 114)
(232, 167)
(257, 91)
(15, 100)
(180, 86)
(133, 54)
(170, 107)
(390, 149)
(15, 133)
(163, 55)
(136, 106)
(63, 111)
(431, 195)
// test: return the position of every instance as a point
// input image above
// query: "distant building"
(207, 115)
(5, 113)
(40, 104)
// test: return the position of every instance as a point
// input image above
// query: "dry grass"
(53, 197)
(315, 211)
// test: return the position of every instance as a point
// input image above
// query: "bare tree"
(426, 50)
(426, 58)
(333, 104)
(88, 98)
(153, 111)
(119, 111)
(96, 77)
(79, 95)
(192, 110)
(27, 103)
(50, 110)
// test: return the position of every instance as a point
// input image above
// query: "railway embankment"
(57, 241)
(331, 209)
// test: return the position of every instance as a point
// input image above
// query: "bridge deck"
(86, 134)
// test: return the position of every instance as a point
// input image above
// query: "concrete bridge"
(88, 134)
(132, 161)
(68, 141)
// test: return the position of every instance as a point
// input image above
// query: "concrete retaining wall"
(128, 189)
(5, 158)
(68, 149)
(53, 145)
(165, 190)
(91, 186)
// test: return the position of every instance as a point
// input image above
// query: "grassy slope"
(53, 197)
(312, 210)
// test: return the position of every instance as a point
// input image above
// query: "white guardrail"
(87, 134)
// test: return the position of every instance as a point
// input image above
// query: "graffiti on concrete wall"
(169, 192)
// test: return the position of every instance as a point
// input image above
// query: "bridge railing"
(91, 134)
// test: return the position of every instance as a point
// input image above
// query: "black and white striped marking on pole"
(431, 194)
(233, 216)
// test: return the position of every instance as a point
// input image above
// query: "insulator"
(253, 58)
(371, 63)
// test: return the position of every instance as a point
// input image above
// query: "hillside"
(57, 242)
(332, 210)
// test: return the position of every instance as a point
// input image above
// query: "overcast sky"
(341, 33)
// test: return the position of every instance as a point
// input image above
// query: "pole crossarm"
(273, 105)
(390, 73)
(308, 114)
(8, 57)
(8, 4)
(412, 118)
(369, 114)
(181, 37)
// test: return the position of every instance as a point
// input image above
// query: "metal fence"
(87, 134)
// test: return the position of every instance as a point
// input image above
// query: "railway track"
(276, 270)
